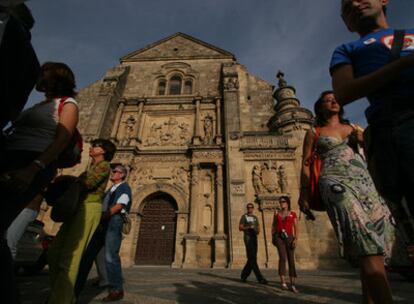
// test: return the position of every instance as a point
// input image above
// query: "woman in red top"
(285, 233)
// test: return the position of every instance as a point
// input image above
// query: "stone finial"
(282, 82)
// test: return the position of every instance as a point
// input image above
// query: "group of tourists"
(355, 187)
(362, 171)
(30, 156)
(284, 237)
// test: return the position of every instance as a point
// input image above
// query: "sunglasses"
(116, 171)
(97, 145)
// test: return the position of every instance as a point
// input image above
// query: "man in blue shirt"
(365, 68)
(368, 68)
(117, 200)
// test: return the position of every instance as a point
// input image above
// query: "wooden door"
(156, 240)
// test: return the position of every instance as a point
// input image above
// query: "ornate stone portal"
(201, 134)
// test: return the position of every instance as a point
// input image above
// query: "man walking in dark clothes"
(249, 224)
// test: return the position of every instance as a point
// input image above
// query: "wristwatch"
(39, 164)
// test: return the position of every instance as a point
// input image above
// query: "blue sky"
(296, 36)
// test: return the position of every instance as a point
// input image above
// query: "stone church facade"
(201, 137)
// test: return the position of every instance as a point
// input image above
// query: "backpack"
(315, 163)
(71, 155)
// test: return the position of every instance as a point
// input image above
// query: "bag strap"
(397, 44)
(315, 138)
(62, 103)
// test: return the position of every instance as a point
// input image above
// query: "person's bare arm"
(295, 233)
(305, 174)
(347, 88)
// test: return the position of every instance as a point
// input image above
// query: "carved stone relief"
(169, 132)
(268, 178)
(231, 83)
(108, 87)
(238, 189)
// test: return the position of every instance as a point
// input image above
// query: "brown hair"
(321, 116)
(56, 79)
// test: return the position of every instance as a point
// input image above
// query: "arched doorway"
(156, 240)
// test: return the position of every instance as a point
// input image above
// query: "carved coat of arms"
(269, 177)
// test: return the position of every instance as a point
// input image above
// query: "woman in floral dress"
(361, 219)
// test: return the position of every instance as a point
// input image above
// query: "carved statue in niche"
(257, 179)
(282, 179)
(269, 177)
(208, 130)
(129, 129)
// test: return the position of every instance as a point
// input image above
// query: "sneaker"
(263, 281)
(294, 289)
(243, 279)
(284, 286)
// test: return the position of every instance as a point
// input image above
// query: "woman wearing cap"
(74, 235)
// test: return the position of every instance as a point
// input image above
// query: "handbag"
(315, 199)
(126, 227)
(65, 195)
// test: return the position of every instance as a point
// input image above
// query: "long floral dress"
(360, 217)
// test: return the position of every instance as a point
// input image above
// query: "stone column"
(220, 205)
(197, 136)
(220, 239)
(135, 136)
(190, 260)
(194, 197)
(117, 121)
(218, 121)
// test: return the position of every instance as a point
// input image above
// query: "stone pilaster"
(135, 137)
(117, 120)
(197, 136)
(220, 239)
(190, 259)
(218, 122)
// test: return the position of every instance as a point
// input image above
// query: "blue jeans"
(113, 241)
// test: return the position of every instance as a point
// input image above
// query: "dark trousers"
(286, 253)
(390, 151)
(95, 245)
(250, 241)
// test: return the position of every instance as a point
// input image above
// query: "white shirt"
(35, 128)
(123, 199)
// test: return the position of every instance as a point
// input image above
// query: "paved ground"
(148, 285)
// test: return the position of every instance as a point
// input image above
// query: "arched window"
(161, 87)
(175, 85)
(188, 87)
